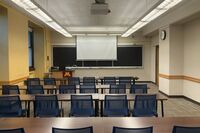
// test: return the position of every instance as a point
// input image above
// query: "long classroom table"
(100, 124)
(55, 88)
(96, 97)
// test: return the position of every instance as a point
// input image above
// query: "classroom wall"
(179, 62)
(191, 61)
(39, 52)
(15, 49)
(14, 46)
(164, 60)
(143, 73)
(4, 44)
(18, 45)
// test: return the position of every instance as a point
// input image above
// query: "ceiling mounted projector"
(100, 7)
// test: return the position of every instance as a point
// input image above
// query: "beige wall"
(4, 44)
(39, 52)
(179, 60)
(164, 60)
(18, 45)
(192, 59)
(14, 46)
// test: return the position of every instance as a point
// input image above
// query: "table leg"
(101, 108)
(96, 108)
(162, 108)
(102, 91)
(28, 111)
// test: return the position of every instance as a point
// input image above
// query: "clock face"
(163, 35)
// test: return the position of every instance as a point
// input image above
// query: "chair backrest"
(145, 105)
(10, 89)
(138, 88)
(73, 81)
(125, 80)
(82, 105)
(132, 130)
(10, 106)
(67, 89)
(88, 89)
(181, 129)
(89, 80)
(117, 89)
(35, 89)
(17, 130)
(49, 81)
(33, 81)
(116, 105)
(75, 130)
(46, 106)
(109, 80)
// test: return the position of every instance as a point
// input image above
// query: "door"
(157, 65)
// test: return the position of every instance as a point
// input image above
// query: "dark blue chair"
(75, 130)
(46, 106)
(82, 106)
(109, 80)
(88, 89)
(116, 105)
(67, 89)
(35, 89)
(49, 81)
(117, 89)
(52, 83)
(132, 130)
(33, 81)
(145, 106)
(181, 129)
(10, 89)
(138, 88)
(89, 81)
(73, 81)
(125, 80)
(17, 130)
(10, 106)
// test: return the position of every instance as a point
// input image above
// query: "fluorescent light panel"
(155, 13)
(30, 7)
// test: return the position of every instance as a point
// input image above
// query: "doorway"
(157, 65)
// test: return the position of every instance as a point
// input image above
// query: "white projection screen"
(93, 48)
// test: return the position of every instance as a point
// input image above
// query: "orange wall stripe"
(13, 81)
(180, 77)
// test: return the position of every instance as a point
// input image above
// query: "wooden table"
(100, 124)
(101, 87)
(55, 88)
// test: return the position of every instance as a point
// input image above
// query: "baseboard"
(171, 96)
(191, 100)
(180, 96)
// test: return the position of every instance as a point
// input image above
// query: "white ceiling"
(75, 15)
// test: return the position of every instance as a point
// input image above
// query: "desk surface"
(100, 125)
(67, 97)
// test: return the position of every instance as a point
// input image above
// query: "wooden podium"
(63, 74)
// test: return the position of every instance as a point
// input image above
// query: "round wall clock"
(163, 35)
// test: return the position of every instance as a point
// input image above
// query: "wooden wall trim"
(193, 79)
(180, 77)
(13, 81)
